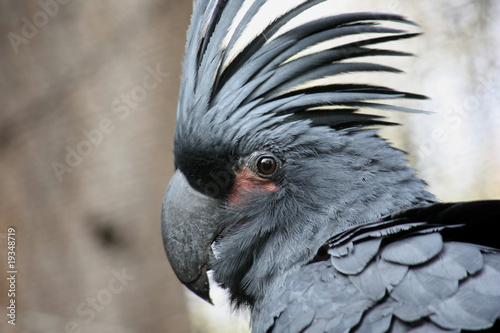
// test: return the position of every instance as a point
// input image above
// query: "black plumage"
(317, 223)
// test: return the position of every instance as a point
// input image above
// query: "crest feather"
(294, 72)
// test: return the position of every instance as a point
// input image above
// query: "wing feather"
(400, 274)
(414, 250)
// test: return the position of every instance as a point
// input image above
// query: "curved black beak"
(188, 229)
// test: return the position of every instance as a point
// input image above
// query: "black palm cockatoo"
(285, 191)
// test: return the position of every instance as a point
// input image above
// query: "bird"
(285, 191)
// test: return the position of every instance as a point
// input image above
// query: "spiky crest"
(277, 74)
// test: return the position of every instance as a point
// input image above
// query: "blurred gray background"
(88, 93)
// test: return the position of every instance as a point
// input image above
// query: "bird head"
(272, 159)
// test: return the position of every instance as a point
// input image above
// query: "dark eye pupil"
(267, 165)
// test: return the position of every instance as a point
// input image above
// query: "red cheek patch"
(248, 183)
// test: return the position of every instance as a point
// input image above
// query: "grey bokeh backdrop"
(88, 110)
(88, 93)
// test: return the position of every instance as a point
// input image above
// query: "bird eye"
(266, 165)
